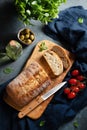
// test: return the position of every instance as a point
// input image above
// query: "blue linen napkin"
(67, 29)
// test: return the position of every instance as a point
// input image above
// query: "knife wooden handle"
(28, 108)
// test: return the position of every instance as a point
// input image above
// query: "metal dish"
(26, 36)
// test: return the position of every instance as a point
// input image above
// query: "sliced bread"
(63, 55)
(54, 62)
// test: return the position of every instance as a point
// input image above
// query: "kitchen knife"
(32, 105)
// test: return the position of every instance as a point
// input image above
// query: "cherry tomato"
(80, 77)
(75, 72)
(75, 89)
(71, 95)
(67, 90)
(73, 81)
(81, 85)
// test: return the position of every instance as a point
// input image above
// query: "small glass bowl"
(26, 36)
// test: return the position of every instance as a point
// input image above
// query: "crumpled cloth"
(67, 29)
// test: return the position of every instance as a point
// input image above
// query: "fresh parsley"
(42, 10)
(42, 46)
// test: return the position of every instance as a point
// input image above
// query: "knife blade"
(32, 105)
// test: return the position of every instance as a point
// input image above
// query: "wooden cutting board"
(37, 56)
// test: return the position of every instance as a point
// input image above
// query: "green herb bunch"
(42, 10)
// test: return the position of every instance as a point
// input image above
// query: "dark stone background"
(9, 26)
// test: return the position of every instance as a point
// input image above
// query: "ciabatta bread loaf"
(63, 55)
(54, 62)
(28, 84)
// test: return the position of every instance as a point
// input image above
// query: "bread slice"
(63, 55)
(28, 84)
(54, 62)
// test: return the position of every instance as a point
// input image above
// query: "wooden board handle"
(31, 106)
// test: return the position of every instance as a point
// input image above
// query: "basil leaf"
(75, 124)
(4, 58)
(80, 20)
(42, 46)
(42, 123)
(7, 70)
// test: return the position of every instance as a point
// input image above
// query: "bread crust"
(28, 84)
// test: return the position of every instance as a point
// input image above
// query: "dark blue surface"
(60, 109)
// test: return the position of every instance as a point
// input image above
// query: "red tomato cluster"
(76, 84)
